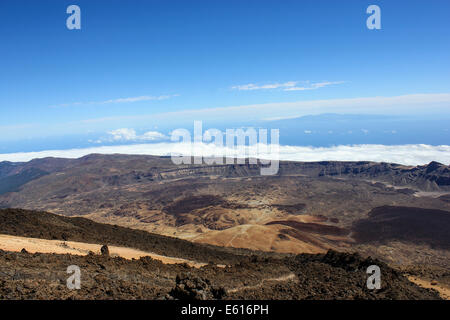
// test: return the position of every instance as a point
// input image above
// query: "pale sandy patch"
(432, 194)
(32, 245)
(443, 291)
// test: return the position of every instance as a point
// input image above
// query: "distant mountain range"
(432, 177)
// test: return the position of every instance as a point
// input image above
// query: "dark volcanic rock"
(104, 250)
(324, 276)
(312, 227)
(189, 287)
(415, 225)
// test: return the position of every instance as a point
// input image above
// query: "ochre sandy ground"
(443, 291)
(32, 245)
(256, 237)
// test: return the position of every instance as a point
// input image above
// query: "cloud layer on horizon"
(417, 154)
(436, 105)
(411, 104)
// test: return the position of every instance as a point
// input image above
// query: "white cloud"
(152, 135)
(287, 86)
(135, 99)
(252, 86)
(416, 154)
(125, 134)
(314, 86)
(119, 100)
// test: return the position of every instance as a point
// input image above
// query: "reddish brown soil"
(184, 209)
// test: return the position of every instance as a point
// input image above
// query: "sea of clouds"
(413, 154)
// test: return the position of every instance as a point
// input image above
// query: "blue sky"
(145, 65)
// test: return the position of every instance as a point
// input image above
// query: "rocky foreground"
(215, 272)
(324, 276)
